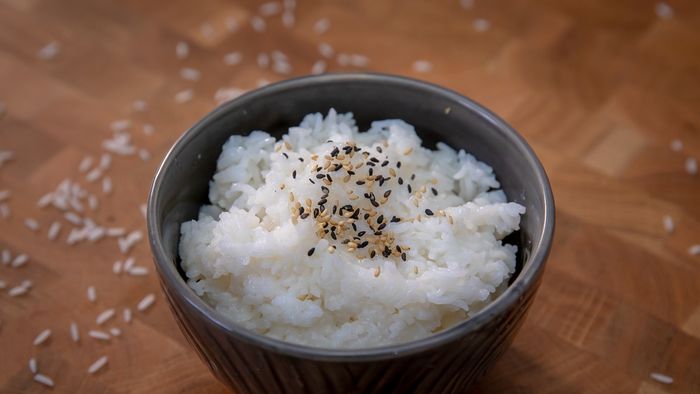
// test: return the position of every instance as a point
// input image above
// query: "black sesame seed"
(335, 209)
(385, 163)
(410, 189)
(379, 149)
(366, 216)
(386, 252)
(381, 227)
(375, 204)
(333, 235)
(320, 176)
(398, 164)
(301, 210)
(380, 219)
(304, 215)
(351, 172)
(398, 248)
(413, 177)
(369, 163)
(311, 251)
(374, 159)
(360, 182)
(324, 189)
(345, 241)
(429, 212)
(338, 166)
(372, 254)
(354, 226)
(403, 256)
(378, 233)
(356, 149)
(371, 171)
(316, 212)
(400, 181)
(348, 207)
(362, 245)
(434, 191)
(301, 159)
(335, 152)
(361, 233)
(356, 214)
(395, 219)
(310, 180)
(294, 174)
(367, 195)
(381, 181)
(322, 208)
(387, 193)
(322, 201)
(328, 176)
(286, 156)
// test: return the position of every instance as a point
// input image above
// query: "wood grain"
(599, 88)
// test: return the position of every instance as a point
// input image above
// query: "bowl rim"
(529, 275)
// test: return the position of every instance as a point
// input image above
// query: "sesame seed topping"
(429, 212)
(310, 252)
(294, 174)
(286, 156)
(398, 164)
(435, 192)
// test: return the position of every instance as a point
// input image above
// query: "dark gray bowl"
(446, 362)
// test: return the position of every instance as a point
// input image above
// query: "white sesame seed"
(42, 337)
(43, 379)
(182, 50)
(668, 223)
(99, 335)
(74, 333)
(146, 302)
(91, 294)
(97, 365)
(663, 10)
(661, 378)
(104, 316)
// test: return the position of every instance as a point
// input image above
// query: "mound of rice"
(336, 238)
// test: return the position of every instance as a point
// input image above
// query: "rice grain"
(97, 365)
(43, 379)
(146, 302)
(42, 337)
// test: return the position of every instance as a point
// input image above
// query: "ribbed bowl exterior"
(450, 368)
(447, 362)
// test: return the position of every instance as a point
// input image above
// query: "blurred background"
(94, 92)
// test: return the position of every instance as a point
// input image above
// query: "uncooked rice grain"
(668, 223)
(146, 302)
(4, 195)
(54, 230)
(694, 250)
(233, 58)
(319, 67)
(663, 10)
(42, 337)
(85, 164)
(33, 365)
(18, 291)
(661, 378)
(49, 51)
(676, 145)
(270, 8)
(422, 66)
(481, 25)
(288, 19)
(97, 365)
(91, 294)
(43, 379)
(322, 25)
(20, 260)
(258, 24)
(115, 332)
(117, 267)
(691, 166)
(104, 316)
(99, 335)
(6, 256)
(182, 49)
(126, 315)
(231, 24)
(74, 333)
(326, 50)
(138, 271)
(5, 211)
(184, 96)
(31, 224)
(190, 74)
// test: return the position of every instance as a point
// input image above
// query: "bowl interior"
(182, 184)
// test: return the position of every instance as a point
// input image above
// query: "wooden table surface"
(599, 88)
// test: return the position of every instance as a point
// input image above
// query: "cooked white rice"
(257, 259)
